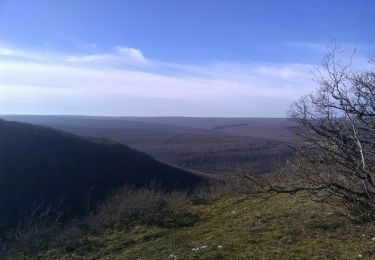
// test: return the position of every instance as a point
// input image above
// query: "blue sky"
(171, 57)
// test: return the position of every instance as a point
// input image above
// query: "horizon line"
(138, 116)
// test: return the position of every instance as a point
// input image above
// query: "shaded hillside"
(194, 143)
(41, 166)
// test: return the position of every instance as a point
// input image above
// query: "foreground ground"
(234, 227)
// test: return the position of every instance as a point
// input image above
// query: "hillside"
(42, 167)
(212, 145)
(233, 227)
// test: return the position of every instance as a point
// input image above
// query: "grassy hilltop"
(232, 227)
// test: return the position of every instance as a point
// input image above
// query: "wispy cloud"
(123, 81)
(18, 53)
(132, 53)
(119, 54)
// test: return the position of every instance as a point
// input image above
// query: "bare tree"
(335, 161)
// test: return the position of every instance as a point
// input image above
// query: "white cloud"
(91, 58)
(131, 53)
(18, 53)
(6, 52)
(122, 82)
(119, 55)
(285, 72)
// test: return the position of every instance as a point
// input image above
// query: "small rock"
(199, 248)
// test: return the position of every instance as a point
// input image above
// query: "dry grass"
(232, 227)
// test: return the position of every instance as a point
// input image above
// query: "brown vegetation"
(335, 161)
(127, 207)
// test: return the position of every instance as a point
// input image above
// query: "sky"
(230, 58)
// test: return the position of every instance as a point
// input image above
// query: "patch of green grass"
(233, 227)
